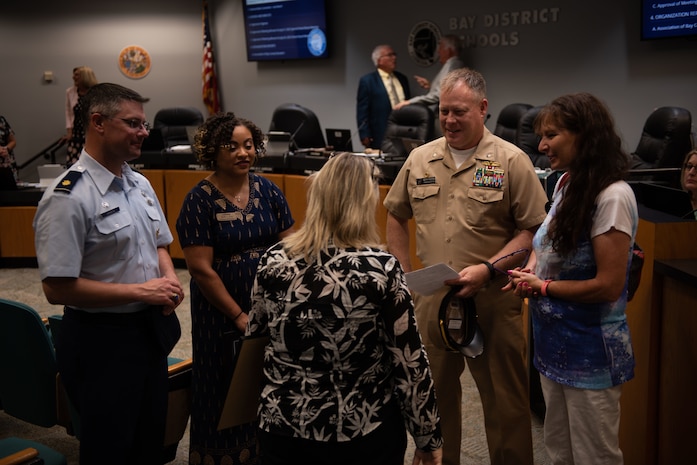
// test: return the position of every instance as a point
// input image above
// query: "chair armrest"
(20, 457)
(179, 366)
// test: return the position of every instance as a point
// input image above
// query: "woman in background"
(7, 145)
(688, 179)
(577, 288)
(83, 80)
(345, 369)
(226, 223)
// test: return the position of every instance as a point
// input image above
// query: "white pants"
(581, 425)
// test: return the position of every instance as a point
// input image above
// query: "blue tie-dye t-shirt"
(584, 345)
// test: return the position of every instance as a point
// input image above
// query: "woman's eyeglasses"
(689, 166)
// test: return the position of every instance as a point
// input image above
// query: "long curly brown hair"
(599, 162)
(217, 130)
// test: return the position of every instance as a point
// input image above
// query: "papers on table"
(428, 280)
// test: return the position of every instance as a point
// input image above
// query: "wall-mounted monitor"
(278, 30)
(668, 19)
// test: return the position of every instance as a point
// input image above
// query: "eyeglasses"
(136, 124)
(517, 258)
(389, 55)
(689, 166)
(232, 147)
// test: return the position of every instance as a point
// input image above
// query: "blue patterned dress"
(584, 345)
(239, 237)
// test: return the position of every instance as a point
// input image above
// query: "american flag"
(210, 80)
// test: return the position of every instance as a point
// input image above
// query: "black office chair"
(665, 140)
(528, 141)
(411, 121)
(507, 121)
(169, 127)
(301, 123)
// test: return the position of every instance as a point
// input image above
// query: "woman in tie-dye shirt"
(577, 282)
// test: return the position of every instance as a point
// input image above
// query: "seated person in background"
(345, 371)
(688, 179)
(7, 145)
(378, 93)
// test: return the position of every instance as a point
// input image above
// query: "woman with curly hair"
(226, 223)
(577, 282)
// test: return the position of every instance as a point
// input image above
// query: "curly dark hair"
(599, 162)
(217, 130)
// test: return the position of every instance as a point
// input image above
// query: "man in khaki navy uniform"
(474, 198)
(101, 240)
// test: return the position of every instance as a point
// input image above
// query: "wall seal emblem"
(134, 62)
(423, 43)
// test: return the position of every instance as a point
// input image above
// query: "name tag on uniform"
(110, 212)
(423, 181)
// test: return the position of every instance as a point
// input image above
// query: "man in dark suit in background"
(378, 93)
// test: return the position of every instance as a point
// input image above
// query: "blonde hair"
(341, 202)
(87, 77)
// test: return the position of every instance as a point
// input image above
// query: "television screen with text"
(662, 20)
(285, 29)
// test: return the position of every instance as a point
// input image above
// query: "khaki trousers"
(500, 374)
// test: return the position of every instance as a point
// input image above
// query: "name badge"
(228, 216)
(110, 212)
(422, 181)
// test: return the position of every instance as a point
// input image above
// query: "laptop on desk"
(402, 147)
(47, 173)
(666, 199)
(339, 140)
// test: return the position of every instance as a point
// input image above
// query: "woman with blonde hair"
(83, 80)
(345, 372)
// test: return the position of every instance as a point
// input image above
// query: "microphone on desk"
(350, 137)
(292, 145)
(689, 215)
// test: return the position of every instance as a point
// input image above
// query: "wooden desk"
(16, 232)
(675, 283)
(661, 237)
(171, 186)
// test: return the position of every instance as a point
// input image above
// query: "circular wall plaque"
(134, 61)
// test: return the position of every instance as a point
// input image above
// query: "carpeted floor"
(23, 285)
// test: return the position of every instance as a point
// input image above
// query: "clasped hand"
(524, 283)
(165, 292)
